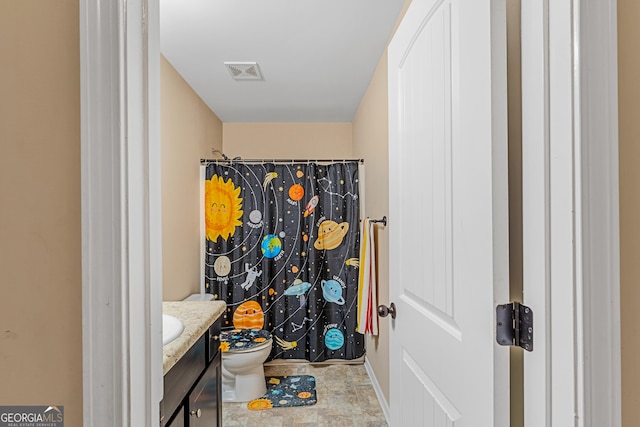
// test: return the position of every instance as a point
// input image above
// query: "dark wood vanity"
(193, 386)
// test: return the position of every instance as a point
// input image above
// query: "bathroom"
(49, 136)
(45, 122)
(190, 130)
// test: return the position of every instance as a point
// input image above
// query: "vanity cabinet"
(204, 403)
(178, 419)
(193, 387)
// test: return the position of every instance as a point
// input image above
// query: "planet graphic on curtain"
(330, 235)
(222, 266)
(296, 192)
(333, 339)
(271, 246)
(332, 291)
(248, 315)
(255, 216)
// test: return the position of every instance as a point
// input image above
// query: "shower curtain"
(282, 247)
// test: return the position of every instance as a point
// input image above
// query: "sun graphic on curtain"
(222, 207)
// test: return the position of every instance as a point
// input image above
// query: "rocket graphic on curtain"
(282, 247)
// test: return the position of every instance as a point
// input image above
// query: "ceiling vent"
(244, 70)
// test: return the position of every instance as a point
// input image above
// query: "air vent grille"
(244, 70)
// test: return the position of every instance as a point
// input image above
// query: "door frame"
(121, 212)
(121, 227)
(570, 212)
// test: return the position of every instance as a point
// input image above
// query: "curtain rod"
(280, 160)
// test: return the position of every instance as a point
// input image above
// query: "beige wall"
(288, 140)
(189, 131)
(371, 142)
(40, 235)
(629, 127)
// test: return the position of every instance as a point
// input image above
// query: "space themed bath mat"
(297, 390)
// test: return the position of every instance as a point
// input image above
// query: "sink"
(172, 327)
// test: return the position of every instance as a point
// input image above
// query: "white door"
(448, 219)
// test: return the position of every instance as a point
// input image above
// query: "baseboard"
(379, 394)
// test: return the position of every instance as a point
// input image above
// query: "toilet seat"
(245, 340)
(258, 347)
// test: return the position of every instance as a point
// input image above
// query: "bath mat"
(295, 390)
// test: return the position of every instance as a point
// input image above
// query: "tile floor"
(345, 398)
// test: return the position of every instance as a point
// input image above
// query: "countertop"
(197, 317)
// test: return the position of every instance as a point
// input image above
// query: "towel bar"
(383, 220)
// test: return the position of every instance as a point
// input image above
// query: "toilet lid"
(243, 339)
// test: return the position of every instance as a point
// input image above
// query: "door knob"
(384, 311)
(197, 413)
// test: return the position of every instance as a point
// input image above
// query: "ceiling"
(316, 57)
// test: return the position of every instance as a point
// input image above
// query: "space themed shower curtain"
(282, 242)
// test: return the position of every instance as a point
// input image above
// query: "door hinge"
(514, 325)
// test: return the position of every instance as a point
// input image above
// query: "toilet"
(243, 354)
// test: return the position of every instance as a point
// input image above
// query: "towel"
(367, 283)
